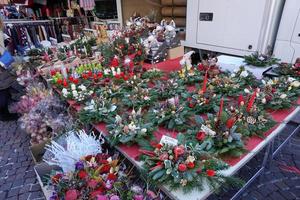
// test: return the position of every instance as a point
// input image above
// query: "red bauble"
(182, 167)
(191, 165)
(200, 136)
(210, 172)
(82, 174)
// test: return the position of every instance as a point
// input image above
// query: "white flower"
(73, 87)
(114, 73)
(106, 71)
(82, 87)
(244, 74)
(246, 91)
(270, 82)
(132, 126)
(190, 159)
(118, 119)
(144, 130)
(264, 100)
(290, 79)
(118, 71)
(74, 93)
(295, 84)
(283, 96)
(65, 92)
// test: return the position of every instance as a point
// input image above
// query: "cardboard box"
(175, 52)
(41, 170)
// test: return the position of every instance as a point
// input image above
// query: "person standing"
(7, 78)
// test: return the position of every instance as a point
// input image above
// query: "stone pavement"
(18, 180)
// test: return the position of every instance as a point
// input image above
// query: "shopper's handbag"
(6, 59)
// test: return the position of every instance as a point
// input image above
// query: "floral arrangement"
(202, 101)
(78, 93)
(153, 74)
(99, 177)
(244, 77)
(225, 85)
(171, 113)
(138, 97)
(97, 110)
(167, 89)
(77, 145)
(46, 120)
(210, 66)
(185, 167)
(188, 75)
(218, 134)
(249, 118)
(34, 94)
(130, 128)
(260, 60)
(276, 93)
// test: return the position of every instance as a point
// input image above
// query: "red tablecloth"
(170, 65)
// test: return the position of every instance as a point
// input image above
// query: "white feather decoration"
(78, 145)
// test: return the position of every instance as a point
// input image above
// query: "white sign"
(207, 130)
(168, 140)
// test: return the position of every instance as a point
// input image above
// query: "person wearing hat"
(7, 79)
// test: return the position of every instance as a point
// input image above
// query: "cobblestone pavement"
(18, 180)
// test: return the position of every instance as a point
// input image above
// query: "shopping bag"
(6, 60)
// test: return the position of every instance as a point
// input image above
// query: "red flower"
(179, 150)
(114, 62)
(117, 76)
(82, 174)
(92, 183)
(75, 81)
(112, 177)
(201, 67)
(125, 78)
(71, 78)
(182, 167)
(56, 178)
(95, 77)
(273, 90)
(85, 76)
(105, 168)
(59, 81)
(191, 165)
(139, 52)
(230, 122)
(100, 75)
(159, 146)
(200, 136)
(90, 73)
(71, 194)
(97, 192)
(65, 83)
(210, 172)
(191, 105)
(52, 72)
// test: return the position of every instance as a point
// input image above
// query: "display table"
(253, 145)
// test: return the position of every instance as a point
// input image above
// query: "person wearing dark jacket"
(7, 79)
